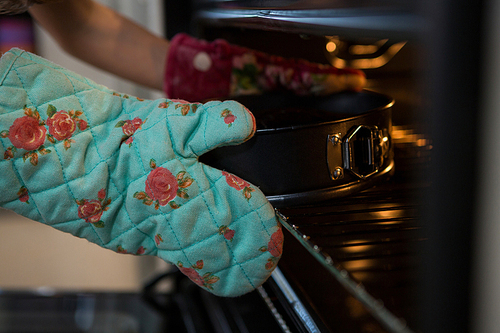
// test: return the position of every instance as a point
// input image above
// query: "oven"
(406, 254)
(412, 251)
(352, 261)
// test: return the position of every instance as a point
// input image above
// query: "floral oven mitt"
(124, 174)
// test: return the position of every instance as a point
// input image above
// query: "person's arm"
(98, 35)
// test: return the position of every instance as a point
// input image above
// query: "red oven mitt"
(198, 70)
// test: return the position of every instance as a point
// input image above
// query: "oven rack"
(374, 306)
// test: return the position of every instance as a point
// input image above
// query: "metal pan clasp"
(362, 151)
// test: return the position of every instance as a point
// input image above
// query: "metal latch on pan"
(362, 151)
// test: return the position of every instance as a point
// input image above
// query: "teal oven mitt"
(124, 173)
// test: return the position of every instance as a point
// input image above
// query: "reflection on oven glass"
(387, 214)
(366, 54)
(358, 265)
(357, 248)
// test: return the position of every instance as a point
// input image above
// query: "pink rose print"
(137, 123)
(129, 127)
(67, 143)
(275, 245)
(92, 210)
(122, 96)
(28, 133)
(101, 194)
(62, 125)
(275, 248)
(162, 187)
(120, 249)
(185, 106)
(129, 141)
(158, 239)
(235, 181)
(164, 105)
(207, 280)
(23, 194)
(82, 125)
(127, 96)
(183, 181)
(228, 116)
(239, 184)
(33, 157)
(9, 153)
(271, 263)
(228, 233)
(141, 250)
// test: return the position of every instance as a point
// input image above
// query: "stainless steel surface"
(334, 156)
(338, 173)
(294, 302)
(365, 150)
(397, 19)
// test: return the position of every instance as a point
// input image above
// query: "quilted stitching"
(123, 173)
